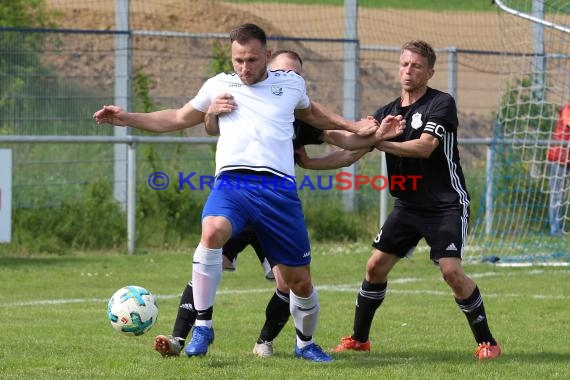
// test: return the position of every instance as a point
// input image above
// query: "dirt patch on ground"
(377, 27)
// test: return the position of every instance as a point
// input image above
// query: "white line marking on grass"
(347, 288)
(353, 288)
(53, 302)
(517, 274)
(547, 264)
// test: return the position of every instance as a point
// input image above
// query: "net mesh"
(525, 213)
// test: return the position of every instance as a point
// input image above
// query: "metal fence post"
(131, 197)
(383, 193)
(122, 95)
(489, 192)
(351, 80)
(452, 73)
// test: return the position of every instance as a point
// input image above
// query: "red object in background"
(558, 153)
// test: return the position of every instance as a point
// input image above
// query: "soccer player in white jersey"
(254, 148)
(277, 310)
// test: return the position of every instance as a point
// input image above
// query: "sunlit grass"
(54, 320)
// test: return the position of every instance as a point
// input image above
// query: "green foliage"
(522, 109)
(25, 48)
(524, 118)
(94, 222)
(169, 217)
(166, 217)
(142, 84)
(25, 14)
(64, 216)
(33, 99)
(221, 61)
(475, 180)
(328, 221)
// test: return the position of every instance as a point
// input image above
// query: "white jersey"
(258, 134)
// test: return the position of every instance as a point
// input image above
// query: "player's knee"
(215, 232)
(453, 276)
(373, 262)
(213, 238)
(376, 269)
(301, 286)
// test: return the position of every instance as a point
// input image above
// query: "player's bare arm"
(418, 148)
(334, 160)
(347, 140)
(222, 104)
(391, 127)
(321, 117)
(167, 120)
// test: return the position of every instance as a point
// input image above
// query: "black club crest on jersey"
(277, 90)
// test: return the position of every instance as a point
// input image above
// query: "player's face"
(250, 61)
(286, 63)
(414, 71)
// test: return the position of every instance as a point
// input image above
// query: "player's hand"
(366, 127)
(391, 127)
(222, 104)
(113, 115)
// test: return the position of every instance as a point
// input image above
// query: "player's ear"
(431, 72)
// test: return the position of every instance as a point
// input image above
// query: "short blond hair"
(422, 48)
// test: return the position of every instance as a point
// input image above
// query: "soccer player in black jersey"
(436, 208)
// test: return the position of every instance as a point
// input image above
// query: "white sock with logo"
(206, 275)
(305, 313)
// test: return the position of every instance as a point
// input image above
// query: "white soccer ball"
(132, 310)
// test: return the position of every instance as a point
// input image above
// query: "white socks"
(206, 275)
(305, 313)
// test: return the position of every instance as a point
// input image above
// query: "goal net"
(525, 215)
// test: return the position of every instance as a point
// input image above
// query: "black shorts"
(239, 242)
(445, 232)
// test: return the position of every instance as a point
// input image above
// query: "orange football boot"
(486, 351)
(348, 343)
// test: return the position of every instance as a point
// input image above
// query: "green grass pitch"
(54, 324)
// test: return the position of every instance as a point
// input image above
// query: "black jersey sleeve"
(306, 134)
(442, 116)
(382, 112)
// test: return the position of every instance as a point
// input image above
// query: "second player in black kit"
(431, 203)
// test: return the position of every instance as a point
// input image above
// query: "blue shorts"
(274, 213)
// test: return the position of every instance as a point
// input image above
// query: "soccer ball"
(132, 310)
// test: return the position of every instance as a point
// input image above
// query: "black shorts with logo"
(444, 231)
